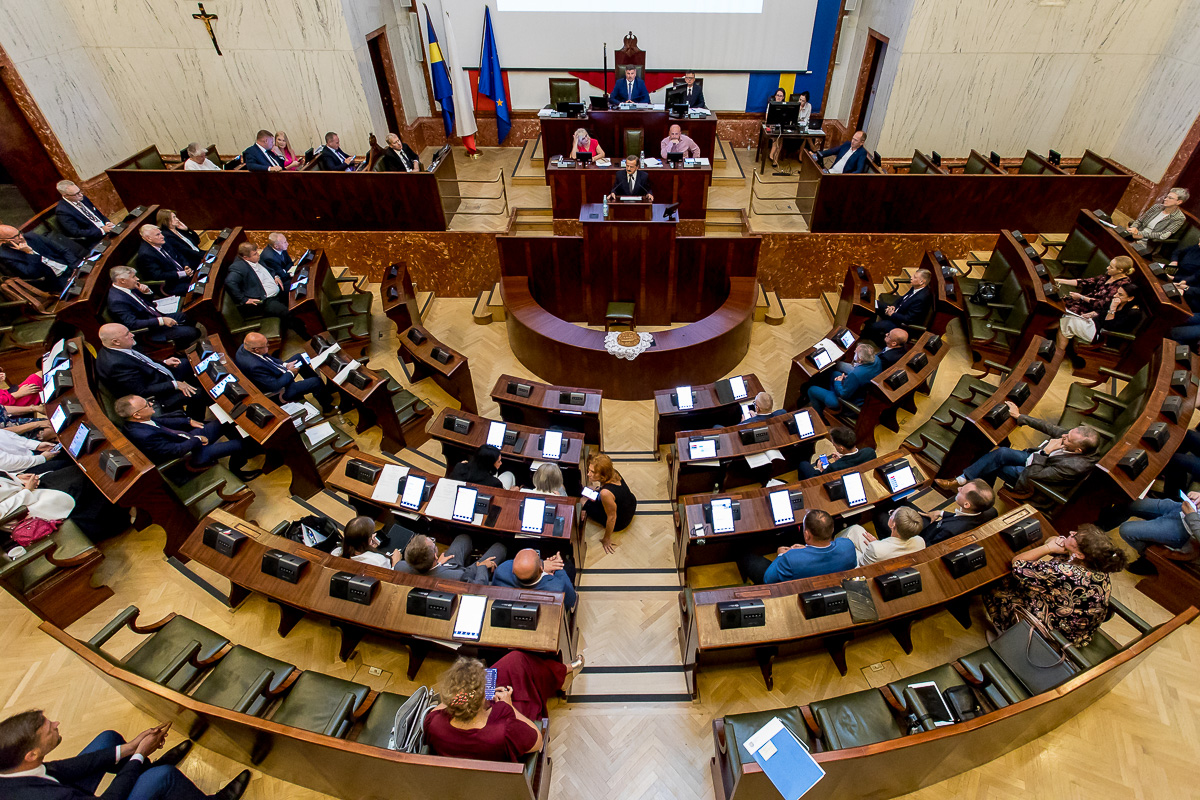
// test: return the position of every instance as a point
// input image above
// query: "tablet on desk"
(738, 385)
(804, 426)
(495, 436)
(464, 504)
(58, 418)
(856, 495)
(846, 339)
(821, 358)
(683, 396)
(900, 477)
(702, 449)
(722, 515)
(414, 487)
(533, 515)
(469, 622)
(781, 507)
(552, 445)
(81, 436)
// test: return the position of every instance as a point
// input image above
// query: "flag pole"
(482, 39)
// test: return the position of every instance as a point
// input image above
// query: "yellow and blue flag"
(443, 90)
(491, 78)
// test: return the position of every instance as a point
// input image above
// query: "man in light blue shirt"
(529, 571)
(820, 554)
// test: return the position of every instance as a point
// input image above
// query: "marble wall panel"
(1167, 107)
(34, 30)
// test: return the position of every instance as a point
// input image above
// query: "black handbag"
(1030, 653)
(986, 292)
(320, 533)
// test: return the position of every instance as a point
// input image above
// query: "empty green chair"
(245, 681)
(381, 719)
(854, 720)
(173, 654)
(998, 684)
(944, 676)
(321, 704)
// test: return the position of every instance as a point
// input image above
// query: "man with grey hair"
(78, 218)
(197, 157)
(130, 303)
(910, 308)
(851, 385)
(275, 255)
(1160, 222)
(159, 264)
(399, 157)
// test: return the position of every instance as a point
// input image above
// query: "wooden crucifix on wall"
(208, 20)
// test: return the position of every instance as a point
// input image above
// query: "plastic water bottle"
(641, 159)
(606, 206)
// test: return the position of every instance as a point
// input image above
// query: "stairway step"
(496, 304)
(775, 314)
(480, 313)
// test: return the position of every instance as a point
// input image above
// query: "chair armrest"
(280, 528)
(343, 326)
(257, 689)
(120, 621)
(1007, 306)
(1004, 329)
(917, 706)
(340, 716)
(1001, 368)
(74, 561)
(1126, 337)
(183, 657)
(1126, 613)
(992, 677)
(17, 513)
(810, 722)
(1046, 490)
(1112, 373)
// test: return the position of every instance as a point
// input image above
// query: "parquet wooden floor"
(1141, 741)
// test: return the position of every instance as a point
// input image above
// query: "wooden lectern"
(628, 257)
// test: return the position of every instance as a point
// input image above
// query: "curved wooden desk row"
(730, 467)
(400, 297)
(548, 406)
(504, 524)
(899, 766)
(202, 303)
(567, 354)
(756, 529)
(420, 361)
(386, 615)
(707, 409)
(787, 630)
(373, 401)
(327, 764)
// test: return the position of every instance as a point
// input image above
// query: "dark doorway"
(868, 80)
(385, 77)
(25, 167)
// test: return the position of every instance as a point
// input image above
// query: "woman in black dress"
(614, 504)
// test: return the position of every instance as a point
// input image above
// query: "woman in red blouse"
(581, 142)
(506, 728)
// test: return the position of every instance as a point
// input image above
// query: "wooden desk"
(504, 527)
(309, 278)
(707, 410)
(373, 401)
(689, 475)
(454, 376)
(518, 456)
(855, 306)
(881, 402)
(279, 437)
(297, 200)
(385, 616)
(809, 139)
(608, 128)
(756, 530)
(545, 408)
(788, 630)
(571, 188)
(803, 370)
(400, 297)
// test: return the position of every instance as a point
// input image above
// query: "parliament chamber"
(842, 445)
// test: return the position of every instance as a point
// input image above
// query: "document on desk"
(220, 414)
(785, 759)
(309, 410)
(340, 378)
(653, 162)
(469, 622)
(441, 503)
(318, 360)
(829, 346)
(545, 112)
(387, 488)
(168, 305)
(756, 460)
(318, 433)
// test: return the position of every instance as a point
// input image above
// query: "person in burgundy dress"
(506, 728)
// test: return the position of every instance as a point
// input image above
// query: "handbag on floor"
(1030, 652)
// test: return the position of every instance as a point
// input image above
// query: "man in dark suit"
(258, 156)
(846, 454)
(275, 255)
(168, 436)
(129, 303)
(762, 409)
(158, 263)
(974, 504)
(895, 345)
(78, 217)
(693, 94)
(1060, 462)
(35, 259)
(630, 90)
(282, 378)
(633, 182)
(261, 291)
(399, 157)
(849, 157)
(25, 774)
(124, 370)
(911, 307)
(332, 159)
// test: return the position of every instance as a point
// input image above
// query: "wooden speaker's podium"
(629, 257)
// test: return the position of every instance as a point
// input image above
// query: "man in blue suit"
(275, 377)
(332, 158)
(529, 571)
(129, 304)
(78, 217)
(630, 90)
(35, 259)
(851, 156)
(897, 312)
(158, 263)
(166, 437)
(124, 370)
(275, 255)
(820, 554)
(258, 156)
(851, 385)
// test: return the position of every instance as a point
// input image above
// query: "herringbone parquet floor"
(1141, 741)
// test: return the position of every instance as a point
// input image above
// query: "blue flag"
(443, 92)
(491, 79)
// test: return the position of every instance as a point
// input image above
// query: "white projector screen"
(704, 35)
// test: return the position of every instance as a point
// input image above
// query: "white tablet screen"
(901, 479)
(58, 418)
(464, 504)
(804, 426)
(846, 339)
(722, 515)
(495, 435)
(702, 448)
(684, 394)
(855, 494)
(781, 507)
(738, 386)
(821, 359)
(533, 515)
(552, 444)
(80, 437)
(413, 488)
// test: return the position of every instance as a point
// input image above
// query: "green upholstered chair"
(175, 652)
(350, 330)
(993, 679)
(619, 313)
(1097, 651)
(1073, 256)
(563, 90)
(1101, 405)
(944, 676)
(240, 325)
(740, 727)
(408, 406)
(245, 681)
(381, 719)
(357, 302)
(635, 141)
(854, 720)
(202, 491)
(321, 704)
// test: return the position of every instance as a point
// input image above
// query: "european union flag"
(443, 91)
(491, 79)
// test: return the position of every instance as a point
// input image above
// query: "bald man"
(280, 378)
(125, 371)
(677, 142)
(895, 344)
(34, 259)
(528, 571)
(158, 263)
(78, 218)
(849, 157)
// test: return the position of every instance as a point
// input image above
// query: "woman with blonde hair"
(283, 149)
(581, 142)
(614, 504)
(506, 728)
(548, 480)
(1092, 298)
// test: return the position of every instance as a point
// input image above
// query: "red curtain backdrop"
(654, 80)
(485, 103)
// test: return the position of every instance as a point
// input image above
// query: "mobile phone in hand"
(590, 494)
(489, 684)
(823, 461)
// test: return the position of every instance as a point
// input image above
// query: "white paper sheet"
(310, 411)
(167, 305)
(387, 488)
(318, 360)
(318, 432)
